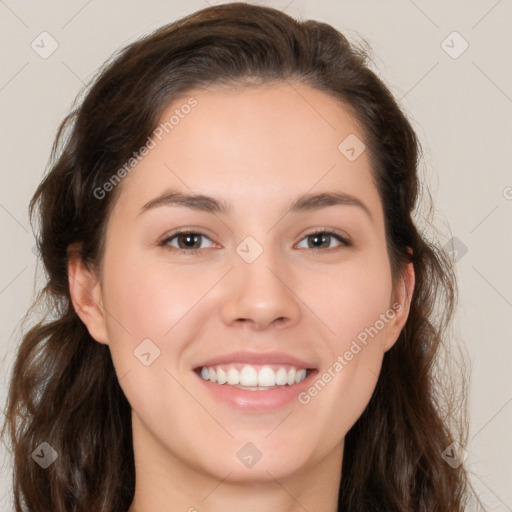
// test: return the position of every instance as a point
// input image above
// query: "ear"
(86, 295)
(401, 304)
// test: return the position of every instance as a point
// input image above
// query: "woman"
(245, 314)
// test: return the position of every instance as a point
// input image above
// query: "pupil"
(320, 237)
(190, 239)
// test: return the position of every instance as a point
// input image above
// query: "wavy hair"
(63, 388)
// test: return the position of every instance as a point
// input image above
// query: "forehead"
(281, 120)
(272, 141)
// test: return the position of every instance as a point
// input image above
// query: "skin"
(258, 149)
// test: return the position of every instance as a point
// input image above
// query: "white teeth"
(233, 377)
(300, 376)
(266, 377)
(281, 377)
(222, 377)
(249, 376)
(290, 379)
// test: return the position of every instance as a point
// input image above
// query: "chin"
(258, 461)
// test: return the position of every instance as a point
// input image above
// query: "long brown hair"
(64, 389)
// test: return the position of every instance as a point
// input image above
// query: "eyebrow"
(214, 205)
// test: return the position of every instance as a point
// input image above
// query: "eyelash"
(330, 232)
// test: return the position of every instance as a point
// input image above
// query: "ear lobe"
(401, 306)
(86, 297)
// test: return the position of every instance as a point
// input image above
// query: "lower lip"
(257, 400)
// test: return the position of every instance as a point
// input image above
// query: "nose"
(261, 294)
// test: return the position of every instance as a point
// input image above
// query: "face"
(262, 326)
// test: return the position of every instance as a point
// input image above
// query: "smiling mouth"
(254, 377)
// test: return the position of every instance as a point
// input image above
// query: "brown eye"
(322, 240)
(186, 241)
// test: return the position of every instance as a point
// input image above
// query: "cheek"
(352, 304)
(145, 300)
(143, 304)
(352, 298)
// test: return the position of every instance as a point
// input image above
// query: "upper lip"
(248, 357)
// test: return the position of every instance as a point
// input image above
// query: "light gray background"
(461, 108)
